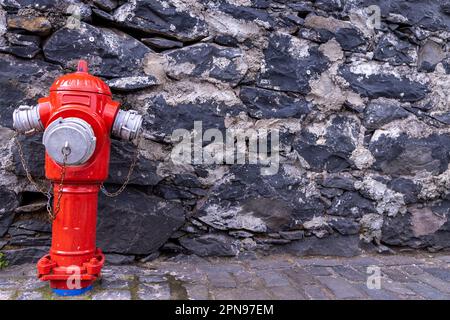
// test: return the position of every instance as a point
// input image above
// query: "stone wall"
(362, 111)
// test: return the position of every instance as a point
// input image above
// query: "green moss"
(3, 262)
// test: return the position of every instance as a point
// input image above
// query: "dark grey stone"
(107, 5)
(162, 43)
(261, 203)
(110, 53)
(334, 154)
(34, 225)
(430, 54)
(344, 226)
(385, 85)
(285, 70)
(343, 246)
(162, 119)
(351, 204)
(210, 245)
(393, 50)
(136, 223)
(349, 39)
(262, 104)
(203, 57)
(24, 255)
(21, 45)
(339, 182)
(119, 259)
(163, 18)
(9, 202)
(404, 155)
(379, 113)
(122, 154)
(20, 81)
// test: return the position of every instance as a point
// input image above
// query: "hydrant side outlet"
(77, 118)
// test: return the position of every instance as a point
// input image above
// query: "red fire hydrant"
(77, 118)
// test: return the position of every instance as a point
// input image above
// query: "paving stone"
(396, 275)
(340, 288)
(286, 293)
(427, 291)
(197, 291)
(153, 278)
(220, 279)
(440, 273)
(10, 283)
(30, 295)
(242, 293)
(6, 295)
(114, 284)
(434, 282)
(318, 271)
(315, 292)
(32, 284)
(397, 288)
(300, 277)
(269, 264)
(158, 291)
(317, 262)
(112, 295)
(444, 258)
(377, 294)
(411, 270)
(273, 278)
(350, 274)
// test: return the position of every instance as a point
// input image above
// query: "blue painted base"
(71, 292)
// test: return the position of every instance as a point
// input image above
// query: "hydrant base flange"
(71, 292)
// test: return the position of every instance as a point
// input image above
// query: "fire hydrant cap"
(80, 80)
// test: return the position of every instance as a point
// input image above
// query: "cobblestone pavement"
(418, 276)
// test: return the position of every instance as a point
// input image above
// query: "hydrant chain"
(130, 170)
(51, 213)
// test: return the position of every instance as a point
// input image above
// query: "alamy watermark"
(239, 146)
(374, 279)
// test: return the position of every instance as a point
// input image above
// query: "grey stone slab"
(158, 291)
(377, 294)
(300, 277)
(318, 270)
(10, 283)
(411, 270)
(32, 284)
(114, 283)
(316, 292)
(286, 293)
(241, 293)
(153, 278)
(397, 288)
(434, 282)
(350, 274)
(441, 273)
(112, 295)
(340, 288)
(6, 295)
(398, 260)
(30, 295)
(427, 291)
(197, 291)
(273, 278)
(221, 279)
(396, 274)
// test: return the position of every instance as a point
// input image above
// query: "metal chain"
(130, 172)
(52, 214)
